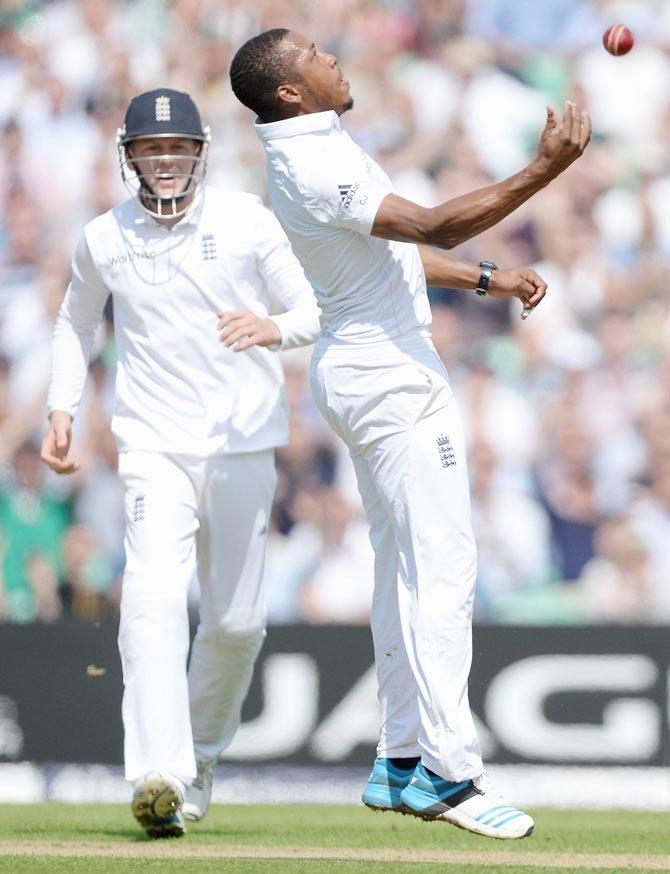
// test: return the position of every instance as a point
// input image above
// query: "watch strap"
(487, 268)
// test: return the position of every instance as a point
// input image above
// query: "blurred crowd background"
(567, 414)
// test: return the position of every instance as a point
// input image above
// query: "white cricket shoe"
(199, 793)
(157, 806)
(474, 805)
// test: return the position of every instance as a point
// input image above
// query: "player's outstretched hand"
(246, 329)
(563, 140)
(56, 444)
(523, 283)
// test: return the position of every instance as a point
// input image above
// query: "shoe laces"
(484, 784)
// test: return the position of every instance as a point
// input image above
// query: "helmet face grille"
(162, 113)
(178, 176)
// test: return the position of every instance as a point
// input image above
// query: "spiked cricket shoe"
(156, 805)
(474, 805)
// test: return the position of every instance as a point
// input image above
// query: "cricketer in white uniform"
(380, 384)
(196, 425)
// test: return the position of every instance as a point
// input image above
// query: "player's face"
(165, 163)
(321, 83)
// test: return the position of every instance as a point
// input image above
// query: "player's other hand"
(244, 329)
(563, 140)
(56, 444)
(523, 283)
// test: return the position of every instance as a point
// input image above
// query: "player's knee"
(239, 637)
(466, 570)
(470, 562)
(147, 625)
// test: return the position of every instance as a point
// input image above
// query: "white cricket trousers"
(184, 514)
(392, 405)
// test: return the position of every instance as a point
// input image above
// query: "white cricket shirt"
(326, 192)
(178, 389)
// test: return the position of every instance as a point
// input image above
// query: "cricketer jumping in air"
(380, 384)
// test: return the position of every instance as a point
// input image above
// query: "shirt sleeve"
(78, 318)
(299, 322)
(347, 189)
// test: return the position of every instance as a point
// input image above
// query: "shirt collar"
(190, 217)
(311, 123)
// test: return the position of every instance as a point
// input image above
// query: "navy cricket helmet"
(162, 113)
(162, 182)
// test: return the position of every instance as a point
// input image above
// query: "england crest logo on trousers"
(446, 451)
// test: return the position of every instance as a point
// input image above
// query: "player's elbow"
(399, 219)
(439, 232)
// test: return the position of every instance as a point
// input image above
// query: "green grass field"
(73, 839)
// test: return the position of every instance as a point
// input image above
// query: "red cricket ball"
(618, 40)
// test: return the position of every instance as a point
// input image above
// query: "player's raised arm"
(457, 220)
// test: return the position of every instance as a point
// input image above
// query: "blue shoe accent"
(428, 794)
(384, 786)
(493, 812)
(513, 813)
(170, 827)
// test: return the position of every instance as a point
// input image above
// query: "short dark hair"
(258, 69)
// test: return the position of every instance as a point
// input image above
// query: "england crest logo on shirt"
(138, 508)
(162, 109)
(208, 243)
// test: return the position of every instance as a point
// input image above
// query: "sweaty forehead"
(294, 45)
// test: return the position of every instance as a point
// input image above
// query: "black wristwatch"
(485, 277)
